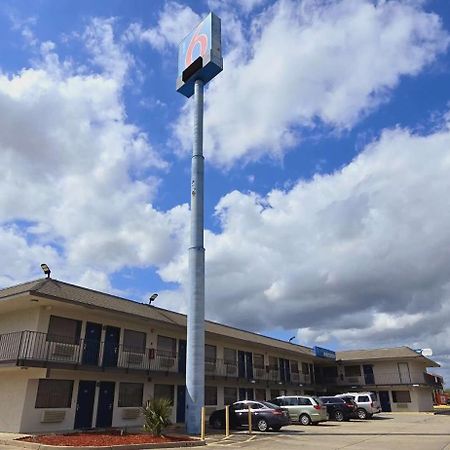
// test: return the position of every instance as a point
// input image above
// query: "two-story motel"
(72, 358)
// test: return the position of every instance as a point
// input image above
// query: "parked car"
(303, 408)
(366, 402)
(265, 415)
(337, 408)
(349, 400)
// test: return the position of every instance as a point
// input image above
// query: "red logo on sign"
(200, 39)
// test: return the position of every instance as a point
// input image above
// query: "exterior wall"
(13, 386)
(18, 320)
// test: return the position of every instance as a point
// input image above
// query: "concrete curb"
(36, 446)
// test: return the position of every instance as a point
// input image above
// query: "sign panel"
(324, 353)
(199, 55)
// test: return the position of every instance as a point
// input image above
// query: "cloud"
(358, 257)
(174, 23)
(308, 64)
(78, 178)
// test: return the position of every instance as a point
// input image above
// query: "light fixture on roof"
(152, 298)
(291, 339)
(46, 270)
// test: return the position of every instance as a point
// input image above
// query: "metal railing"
(391, 378)
(36, 348)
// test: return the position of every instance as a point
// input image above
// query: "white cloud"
(174, 22)
(70, 162)
(308, 63)
(358, 257)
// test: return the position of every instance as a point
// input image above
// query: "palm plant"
(156, 414)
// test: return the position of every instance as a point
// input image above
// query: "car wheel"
(338, 416)
(262, 425)
(276, 428)
(305, 419)
(217, 423)
(361, 413)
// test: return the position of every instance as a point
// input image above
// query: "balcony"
(385, 379)
(31, 348)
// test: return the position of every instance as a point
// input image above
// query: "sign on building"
(324, 353)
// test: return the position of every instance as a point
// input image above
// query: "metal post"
(249, 420)
(195, 355)
(227, 420)
(203, 424)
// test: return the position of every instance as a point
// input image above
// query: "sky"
(327, 146)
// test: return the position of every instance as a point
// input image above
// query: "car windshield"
(373, 397)
(270, 405)
(317, 400)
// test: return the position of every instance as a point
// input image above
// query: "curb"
(36, 446)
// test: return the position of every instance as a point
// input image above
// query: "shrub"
(156, 414)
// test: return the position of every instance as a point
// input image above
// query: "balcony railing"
(393, 378)
(43, 349)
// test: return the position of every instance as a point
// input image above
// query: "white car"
(366, 402)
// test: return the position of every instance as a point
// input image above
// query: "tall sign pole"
(199, 60)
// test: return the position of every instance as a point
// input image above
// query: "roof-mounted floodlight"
(46, 269)
(291, 339)
(152, 298)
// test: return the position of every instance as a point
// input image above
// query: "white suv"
(366, 402)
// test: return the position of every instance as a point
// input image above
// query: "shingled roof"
(382, 353)
(66, 292)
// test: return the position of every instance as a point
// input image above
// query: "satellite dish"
(427, 352)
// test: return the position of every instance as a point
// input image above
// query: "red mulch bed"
(102, 439)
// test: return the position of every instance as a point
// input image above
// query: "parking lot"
(385, 431)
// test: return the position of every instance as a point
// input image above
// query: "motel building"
(74, 358)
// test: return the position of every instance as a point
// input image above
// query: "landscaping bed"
(103, 439)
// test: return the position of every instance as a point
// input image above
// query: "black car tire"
(262, 425)
(361, 413)
(276, 428)
(217, 423)
(305, 419)
(338, 416)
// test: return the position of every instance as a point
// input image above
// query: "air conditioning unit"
(259, 373)
(135, 358)
(210, 367)
(63, 350)
(130, 413)
(295, 378)
(52, 416)
(167, 363)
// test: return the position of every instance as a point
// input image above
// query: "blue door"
(385, 402)
(112, 338)
(249, 365)
(241, 364)
(105, 404)
(85, 404)
(91, 347)
(368, 374)
(181, 357)
(181, 403)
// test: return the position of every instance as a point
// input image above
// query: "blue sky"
(326, 142)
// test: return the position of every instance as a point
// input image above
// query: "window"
(210, 395)
(291, 401)
(54, 394)
(256, 405)
(258, 361)
(401, 397)
(294, 366)
(260, 394)
(210, 353)
(229, 395)
(64, 330)
(130, 394)
(229, 356)
(166, 346)
(303, 401)
(273, 363)
(134, 341)
(164, 391)
(274, 393)
(352, 371)
(305, 369)
(363, 398)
